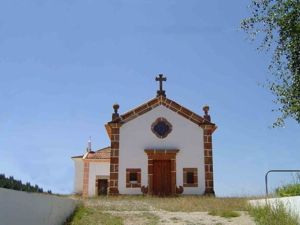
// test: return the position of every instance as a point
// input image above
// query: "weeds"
(224, 213)
(273, 215)
(292, 189)
(173, 204)
(288, 190)
(84, 215)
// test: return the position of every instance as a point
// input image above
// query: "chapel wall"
(136, 136)
(97, 169)
(78, 176)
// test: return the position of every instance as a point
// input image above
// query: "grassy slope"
(99, 210)
(92, 216)
(173, 204)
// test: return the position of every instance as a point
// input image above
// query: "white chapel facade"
(159, 148)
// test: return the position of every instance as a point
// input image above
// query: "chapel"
(158, 148)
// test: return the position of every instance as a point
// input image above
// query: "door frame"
(99, 177)
(161, 154)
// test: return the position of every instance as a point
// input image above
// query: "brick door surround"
(161, 154)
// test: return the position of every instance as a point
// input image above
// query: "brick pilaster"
(114, 159)
(86, 171)
(208, 158)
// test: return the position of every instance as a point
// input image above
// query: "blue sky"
(63, 64)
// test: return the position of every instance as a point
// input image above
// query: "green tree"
(11, 183)
(277, 22)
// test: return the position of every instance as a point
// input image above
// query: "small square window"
(190, 178)
(133, 177)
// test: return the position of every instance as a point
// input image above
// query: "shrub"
(288, 190)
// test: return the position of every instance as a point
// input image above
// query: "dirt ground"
(180, 218)
(151, 211)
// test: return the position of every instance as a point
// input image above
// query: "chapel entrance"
(102, 186)
(161, 171)
(162, 177)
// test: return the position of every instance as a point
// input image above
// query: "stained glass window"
(161, 127)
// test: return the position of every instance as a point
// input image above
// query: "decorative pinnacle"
(206, 115)
(206, 109)
(116, 107)
(115, 115)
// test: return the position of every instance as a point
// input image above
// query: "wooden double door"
(162, 177)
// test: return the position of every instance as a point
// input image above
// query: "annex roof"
(103, 153)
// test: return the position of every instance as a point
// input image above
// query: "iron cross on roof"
(161, 78)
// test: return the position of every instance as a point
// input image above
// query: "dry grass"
(86, 215)
(173, 204)
(152, 210)
(93, 216)
(224, 213)
(273, 215)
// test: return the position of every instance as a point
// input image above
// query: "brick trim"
(195, 173)
(162, 151)
(86, 171)
(96, 160)
(161, 100)
(130, 184)
(114, 159)
(161, 154)
(98, 177)
(208, 158)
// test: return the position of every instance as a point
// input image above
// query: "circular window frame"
(160, 120)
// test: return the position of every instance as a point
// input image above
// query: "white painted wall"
(97, 169)
(20, 208)
(136, 135)
(292, 204)
(78, 176)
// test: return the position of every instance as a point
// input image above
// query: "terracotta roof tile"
(103, 153)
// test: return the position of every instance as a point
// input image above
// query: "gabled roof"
(170, 104)
(160, 100)
(103, 153)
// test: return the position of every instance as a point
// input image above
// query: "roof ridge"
(102, 149)
(168, 103)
